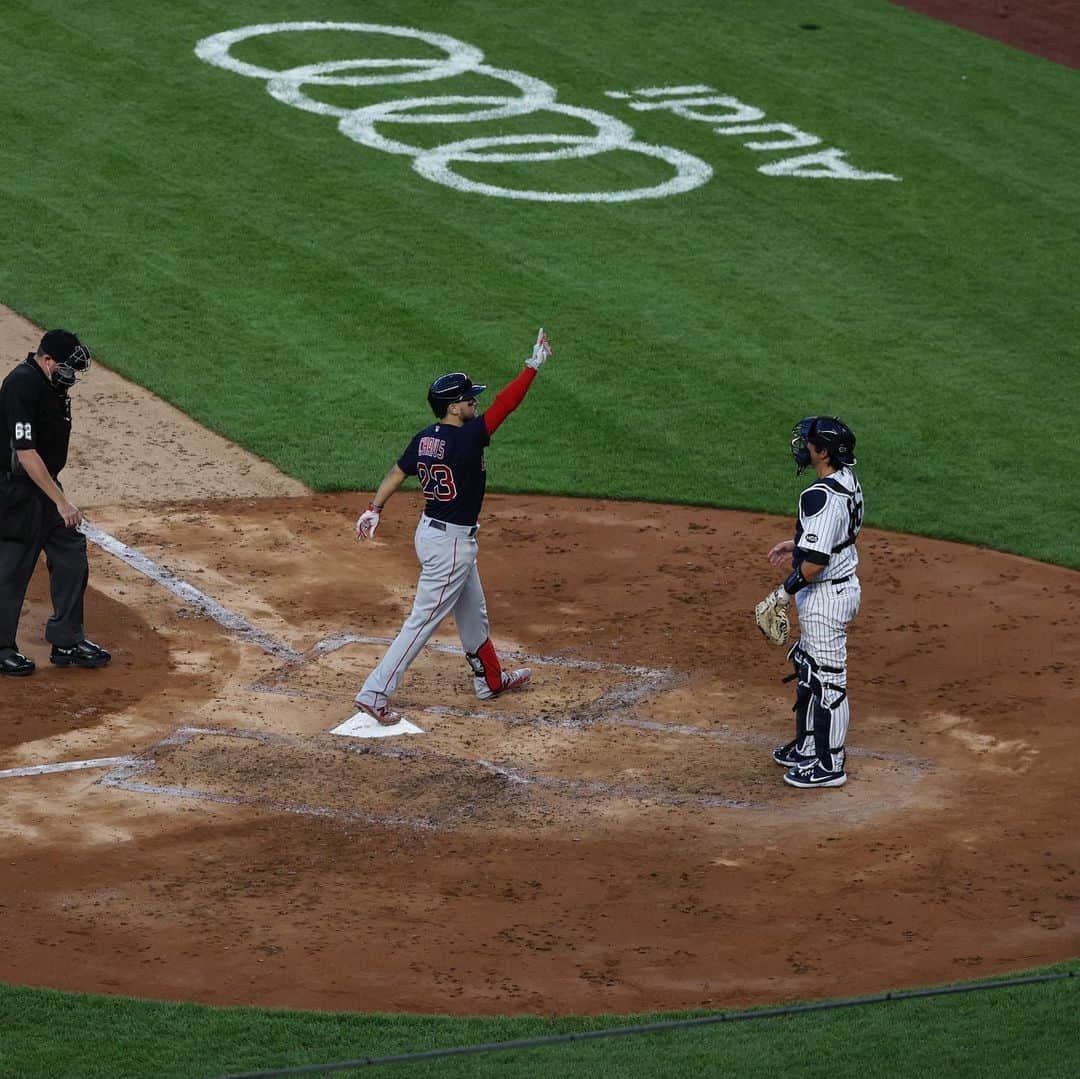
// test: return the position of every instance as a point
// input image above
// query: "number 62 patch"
(23, 432)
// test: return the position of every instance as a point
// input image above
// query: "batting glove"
(541, 351)
(368, 521)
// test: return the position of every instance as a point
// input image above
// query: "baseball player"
(448, 458)
(35, 514)
(826, 588)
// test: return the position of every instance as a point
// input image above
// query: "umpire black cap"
(60, 344)
(71, 355)
(447, 390)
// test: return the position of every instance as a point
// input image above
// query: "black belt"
(441, 526)
(838, 580)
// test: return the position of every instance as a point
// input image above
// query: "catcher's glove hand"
(772, 617)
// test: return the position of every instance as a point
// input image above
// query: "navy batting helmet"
(447, 390)
(828, 433)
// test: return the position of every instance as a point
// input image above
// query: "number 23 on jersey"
(437, 482)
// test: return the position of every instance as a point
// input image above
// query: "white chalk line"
(64, 766)
(128, 775)
(643, 681)
(122, 778)
(230, 620)
(339, 640)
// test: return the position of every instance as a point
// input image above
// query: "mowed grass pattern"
(297, 292)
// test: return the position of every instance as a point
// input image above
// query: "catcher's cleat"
(510, 680)
(83, 654)
(16, 665)
(814, 775)
(385, 716)
(788, 755)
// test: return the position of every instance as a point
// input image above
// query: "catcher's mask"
(828, 433)
(447, 390)
(71, 356)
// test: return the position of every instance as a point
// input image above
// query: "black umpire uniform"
(35, 412)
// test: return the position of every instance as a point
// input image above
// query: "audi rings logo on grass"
(436, 163)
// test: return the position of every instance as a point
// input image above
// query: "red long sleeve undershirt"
(507, 399)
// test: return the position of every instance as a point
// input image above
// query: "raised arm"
(513, 393)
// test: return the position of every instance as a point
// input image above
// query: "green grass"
(297, 292)
(1024, 1030)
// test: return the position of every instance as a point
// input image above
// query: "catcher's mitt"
(772, 619)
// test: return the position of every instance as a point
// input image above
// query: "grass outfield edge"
(245, 1037)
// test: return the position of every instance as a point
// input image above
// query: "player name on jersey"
(432, 447)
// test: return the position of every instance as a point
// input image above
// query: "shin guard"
(485, 664)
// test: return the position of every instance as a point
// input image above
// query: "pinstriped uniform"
(830, 518)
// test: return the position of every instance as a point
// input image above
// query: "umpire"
(35, 514)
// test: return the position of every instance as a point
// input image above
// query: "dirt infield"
(615, 839)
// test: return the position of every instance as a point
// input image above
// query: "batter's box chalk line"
(136, 774)
(638, 683)
(644, 681)
(612, 707)
(64, 766)
(236, 624)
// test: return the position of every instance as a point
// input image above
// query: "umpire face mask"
(67, 372)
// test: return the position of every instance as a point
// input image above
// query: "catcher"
(826, 588)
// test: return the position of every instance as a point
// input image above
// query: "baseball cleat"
(16, 665)
(814, 775)
(510, 680)
(83, 654)
(788, 756)
(385, 716)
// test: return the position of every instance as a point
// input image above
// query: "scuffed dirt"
(616, 838)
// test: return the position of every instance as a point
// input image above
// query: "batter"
(448, 459)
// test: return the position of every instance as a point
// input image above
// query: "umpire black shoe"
(16, 665)
(83, 654)
(788, 755)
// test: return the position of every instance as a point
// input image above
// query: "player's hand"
(781, 552)
(71, 513)
(367, 522)
(541, 351)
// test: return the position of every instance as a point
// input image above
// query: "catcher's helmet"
(71, 356)
(447, 390)
(828, 433)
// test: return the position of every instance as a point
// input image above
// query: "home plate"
(364, 726)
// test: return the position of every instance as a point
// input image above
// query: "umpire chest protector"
(35, 416)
